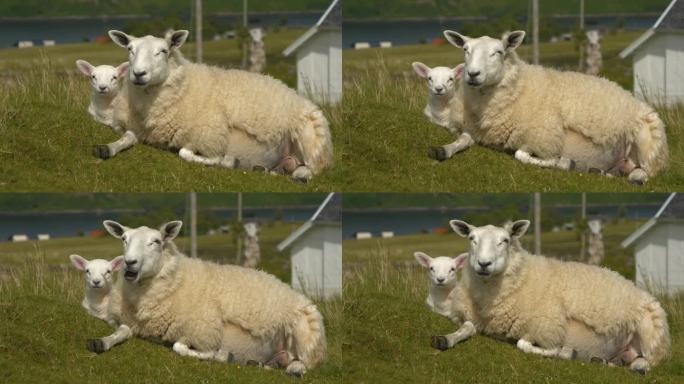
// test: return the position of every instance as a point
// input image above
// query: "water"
(403, 222)
(418, 31)
(75, 223)
(79, 30)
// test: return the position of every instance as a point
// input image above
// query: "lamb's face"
(440, 80)
(489, 245)
(98, 272)
(251, 229)
(442, 269)
(484, 56)
(149, 55)
(143, 247)
(104, 79)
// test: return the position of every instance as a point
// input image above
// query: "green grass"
(46, 134)
(43, 328)
(383, 121)
(387, 340)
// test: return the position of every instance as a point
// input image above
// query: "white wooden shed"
(659, 248)
(319, 57)
(658, 57)
(316, 251)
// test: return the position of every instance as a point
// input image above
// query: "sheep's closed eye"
(432, 269)
(430, 78)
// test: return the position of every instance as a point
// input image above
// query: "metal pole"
(583, 214)
(581, 27)
(537, 223)
(198, 30)
(238, 255)
(193, 224)
(535, 31)
(244, 43)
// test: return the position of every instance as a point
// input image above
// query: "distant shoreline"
(142, 17)
(484, 18)
(144, 210)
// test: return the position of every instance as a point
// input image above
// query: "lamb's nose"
(131, 262)
(438, 89)
(485, 264)
(102, 87)
(440, 280)
(96, 282)
(140, 74)
(474, 73)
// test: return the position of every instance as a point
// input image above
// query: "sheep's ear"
(461, 227)
(512, 40)
(456, 38)
(85, 67)
(421, 69)
(116, 262)
(120, 38)
(171, 229)
(177, 38)
(79, 262)
(460, 260)
(458, 71)
(115, 229)
(518, 228)
(423, 259)
(122, 69)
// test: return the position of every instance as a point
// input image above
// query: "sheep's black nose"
(473, 74)
(102, 88)
(140, 74)
(440, 280)
(131, 262)
(485, 264)
(438, 89)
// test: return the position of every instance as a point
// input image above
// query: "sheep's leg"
(226, 161)
(528, 347)
(184, 350)
(559, 163)
(121, 334)
(448, 341)
(447, 151)
(105, 151)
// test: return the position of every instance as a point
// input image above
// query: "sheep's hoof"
(302, 174)
(259, 168)
(572, 166)
(95, 345)
(598, 360)
(639, 365)
(437, 153)
(230, 358)
(596, 170)
(101, 151)
(254, 363)
(440, 342)
(638, 176)
(296, 369)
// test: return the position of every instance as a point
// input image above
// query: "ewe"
(557, 308)
(550, 118)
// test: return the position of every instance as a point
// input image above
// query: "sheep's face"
(484, 56)
(489, 245)
(143, 247)
(440, 80)
(149, 55)
(98, 272)
(251, 229)
(104, 79)
(442, 269)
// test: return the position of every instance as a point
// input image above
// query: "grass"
(383, 120)
(387, 340)
(43, 327)
(47, 136)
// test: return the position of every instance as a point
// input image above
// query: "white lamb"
(104, 80)
(228, 118)
(550, 118)
(102, 299)
(214, 309)
(556, 308)
(444, 94)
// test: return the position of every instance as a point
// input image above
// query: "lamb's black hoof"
(636, 182)
(95, 345)
(595, 170)
(230, 358)
(599, 360)
(640, 371)
(573, 356)
(440, 342)
(437, 153)
(101, 151)
(573, 165)
(259, 168)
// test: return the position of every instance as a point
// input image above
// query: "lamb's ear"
(461, 227)
(518, 228)
(79, 262)
(115, 229)
(512, 40)
(171, 229)
(122, 69)
(423, 259)
(421, 69)
(458, 70)
(177, 38)
(456, 38)
(116, 262)
(85, 67)
(460, 260)
(120, 38)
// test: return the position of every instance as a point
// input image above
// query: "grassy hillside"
(37, 8)
(43, 328)
(383, 104)
(47, 135)
(388, 338)
(363, 9)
